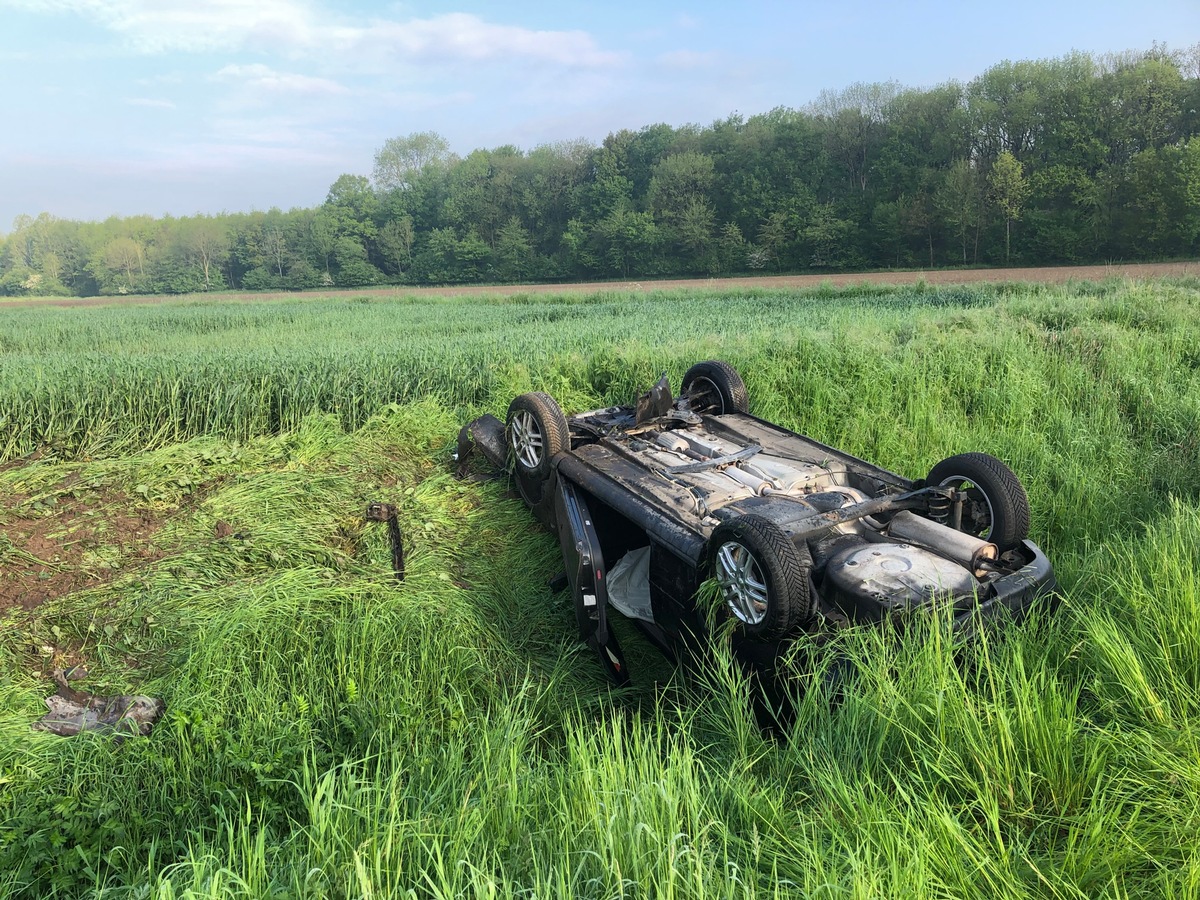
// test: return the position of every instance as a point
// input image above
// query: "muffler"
(964, 549)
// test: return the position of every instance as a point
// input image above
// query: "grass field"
(181, 496)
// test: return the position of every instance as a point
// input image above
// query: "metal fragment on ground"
(386, 512)
(72, 712)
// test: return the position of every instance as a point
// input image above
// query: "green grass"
(330, 733)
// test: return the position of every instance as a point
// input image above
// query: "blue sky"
(184, 106)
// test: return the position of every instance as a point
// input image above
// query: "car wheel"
(997, 508)
(715, 387)
(763, 577)
(535, 430)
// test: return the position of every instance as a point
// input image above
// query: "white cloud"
(461, 36)
(300, 27)
(156, 26)
(263, 79)
(234, 156)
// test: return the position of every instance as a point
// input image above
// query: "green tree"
(694, 231)
(205, 241)
(402, 160)
(610, 187)
(773, 235)
(351, 204)
(434, 261)
(274, 247)
(1140, 105)
(959, 201)
(45, 253)
(646, 150)
(120, 266)
(577, 247)
(826, 236)
(1009, 191)
(679, 181)
(1003, 103)
(473, 256)
(1058, 223)
(731, 248)
(482, 192)
(1191, 183)
(1161, 210)
(854, 121)
(678, 196)
(322, 237)
(353, 268)
(395, 243)
(514, 252)
(628, 240)
(551, 188)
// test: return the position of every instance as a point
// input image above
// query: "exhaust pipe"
(760, 486)
(964, 549)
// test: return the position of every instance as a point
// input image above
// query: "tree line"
(1077, 159)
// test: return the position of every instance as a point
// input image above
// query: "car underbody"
(652, 500)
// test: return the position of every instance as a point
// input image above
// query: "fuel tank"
(871, 581)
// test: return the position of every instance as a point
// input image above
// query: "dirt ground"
(66, 542)
(1051, 274)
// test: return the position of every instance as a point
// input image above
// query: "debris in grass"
(386, 512)
(487, 434)
(72, 711)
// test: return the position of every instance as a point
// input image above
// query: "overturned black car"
(650, 501)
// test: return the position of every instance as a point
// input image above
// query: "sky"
(129, 107)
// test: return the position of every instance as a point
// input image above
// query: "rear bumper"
(1015, 594)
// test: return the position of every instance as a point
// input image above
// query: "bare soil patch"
(1049, 275)
(70, 547)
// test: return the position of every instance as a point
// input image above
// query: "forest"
(1082, 158)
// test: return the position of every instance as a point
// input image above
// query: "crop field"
(182, 489)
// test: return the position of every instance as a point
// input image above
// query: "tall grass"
(331, 733)
(112, 379)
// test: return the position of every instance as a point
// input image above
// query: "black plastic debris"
(73, 712)
(655, 403)
(386, 512)
(485, 434)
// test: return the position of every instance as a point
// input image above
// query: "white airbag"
(629, 585)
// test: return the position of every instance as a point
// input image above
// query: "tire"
(715, 388)
(764, 578)
(535, 431)
(998, 507)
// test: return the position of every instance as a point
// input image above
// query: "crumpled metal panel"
(72, 712)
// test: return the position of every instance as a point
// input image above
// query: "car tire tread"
(556, 437)
(726, 380)
(791, 603)
(1010, 504)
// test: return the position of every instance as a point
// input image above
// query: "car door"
(585, 570)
